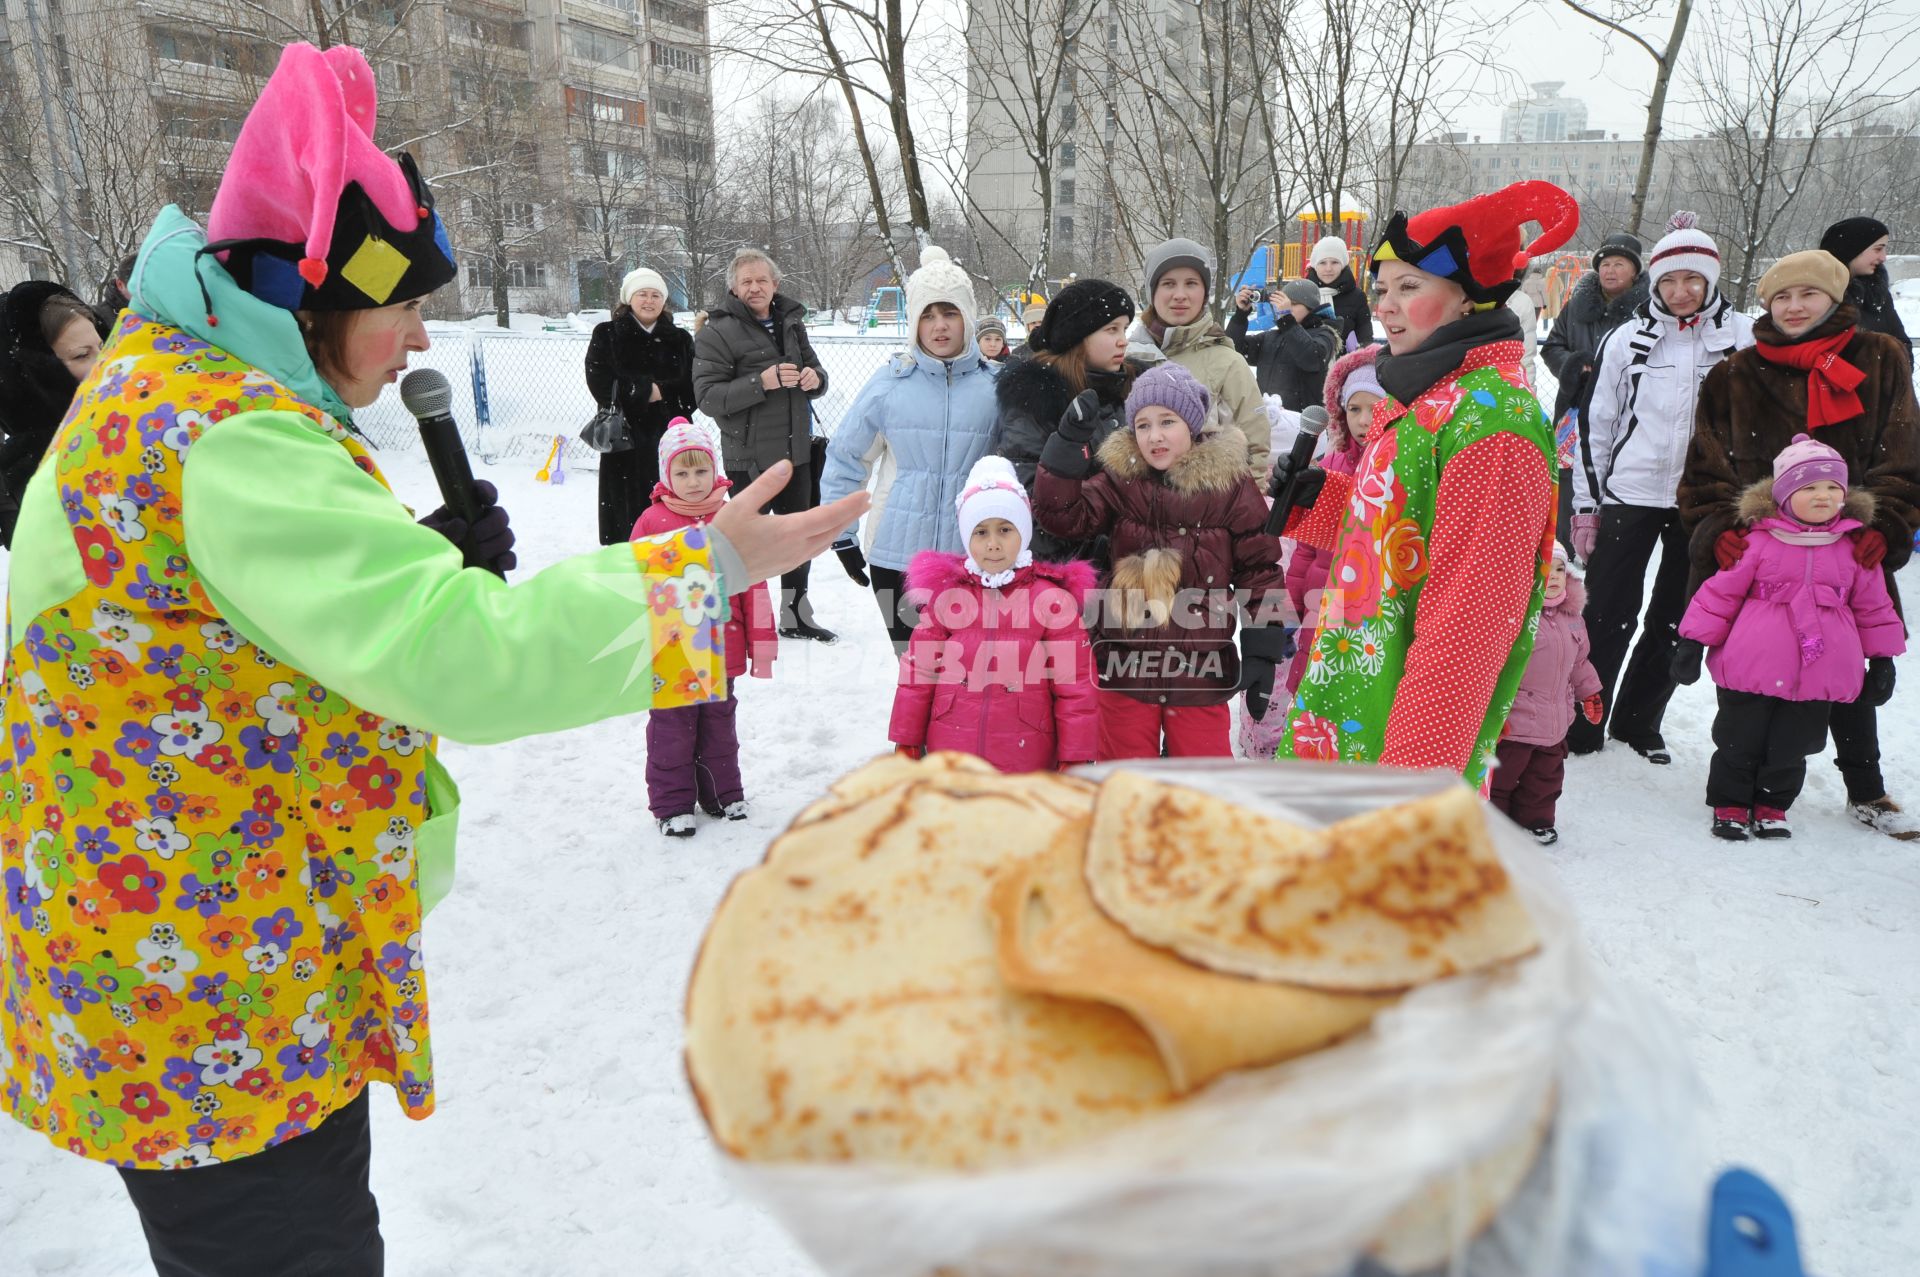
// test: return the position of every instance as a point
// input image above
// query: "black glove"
(848, 551)
(1307, 491)
(1685, 667)
(489, 542)
(1078, 421)
(1878, 689)
(1262, 648)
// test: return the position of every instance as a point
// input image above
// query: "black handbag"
(609, 431)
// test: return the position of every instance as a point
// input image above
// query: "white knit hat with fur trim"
(939, 279)
(1684, 247)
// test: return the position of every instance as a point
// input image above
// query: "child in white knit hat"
(1000, 665)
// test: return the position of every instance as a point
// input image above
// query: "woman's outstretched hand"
(772, 544)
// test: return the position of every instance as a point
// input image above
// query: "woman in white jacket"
(1633, 448)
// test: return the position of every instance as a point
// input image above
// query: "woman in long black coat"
(49, 339)
(644, 358)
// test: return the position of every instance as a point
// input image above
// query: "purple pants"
(693, 756)
(1528, 781)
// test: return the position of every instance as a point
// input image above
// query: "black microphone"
(429, 398)
(1313, 423)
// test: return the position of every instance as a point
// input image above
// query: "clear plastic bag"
(1296, 1169)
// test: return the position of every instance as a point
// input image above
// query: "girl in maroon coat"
(693, 753)
(1189, 550)
(999, 665)
(1532, 754)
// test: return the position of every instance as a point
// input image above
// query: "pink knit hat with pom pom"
(311, 214)
(1684, 247)
(1806, 460)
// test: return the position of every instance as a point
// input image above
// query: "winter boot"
(1883, 815)
(809, 630)
(680, 826)
(1653, 749)
(736, 810)
(1731, 823)
(1770, 822)
(1545, 837)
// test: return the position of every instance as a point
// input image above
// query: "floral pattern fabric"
(212, 913)
(1381, 563)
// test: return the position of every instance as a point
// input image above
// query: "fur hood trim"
(1217, 461)
(1036, 389)
(931, 572)
(1757, 503)
(1574, 601)
(1338, 437)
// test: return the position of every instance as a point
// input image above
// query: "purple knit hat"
(1169, 385)
(1806, 460)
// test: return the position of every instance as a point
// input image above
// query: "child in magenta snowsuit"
(1352, 390)
(1790, 624)
(693, 753)
(1000, 665)
(1532, 754)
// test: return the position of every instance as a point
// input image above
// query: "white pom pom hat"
(939, 279)
(994, 491)
(1684, 247)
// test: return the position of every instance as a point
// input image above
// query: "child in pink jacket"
(1532, 756)
(1790, 626)
(1352, 390)
(1000, 665)
(693, 753)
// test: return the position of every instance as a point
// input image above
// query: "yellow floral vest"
(210, 859)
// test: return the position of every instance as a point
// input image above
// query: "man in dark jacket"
(756, 374)
(1602, 301)
(1291, 358)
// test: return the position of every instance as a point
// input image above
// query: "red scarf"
(1831, 380)
(703, 509)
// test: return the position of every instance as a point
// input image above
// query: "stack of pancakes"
(941, 967)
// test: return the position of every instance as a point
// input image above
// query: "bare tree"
(1023, 61)
(697, 202)
(1784, 85)
(614, 224)
(864, 50)
(1614, 15)
(498, 226)
(1180, 111)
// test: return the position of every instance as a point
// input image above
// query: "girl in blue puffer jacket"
(914, 432)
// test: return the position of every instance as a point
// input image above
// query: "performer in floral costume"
(229, 651)
(1441, 537)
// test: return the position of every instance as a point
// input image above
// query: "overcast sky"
(1545, 41)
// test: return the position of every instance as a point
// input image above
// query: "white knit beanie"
(939, 280)
(1684, 247)
(1331, 249)
(994, 491)
(639, 278)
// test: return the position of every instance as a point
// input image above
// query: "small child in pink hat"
(1795, 626)
(693, 752)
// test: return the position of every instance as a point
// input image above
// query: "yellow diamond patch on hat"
(375, 269)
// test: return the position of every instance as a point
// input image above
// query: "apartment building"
(551, 129)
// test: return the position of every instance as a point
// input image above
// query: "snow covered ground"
(572, 1146)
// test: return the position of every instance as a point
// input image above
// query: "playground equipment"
(1275, 259)
(887, 305)
(1565, 272)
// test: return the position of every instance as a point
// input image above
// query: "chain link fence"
(514, 393)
